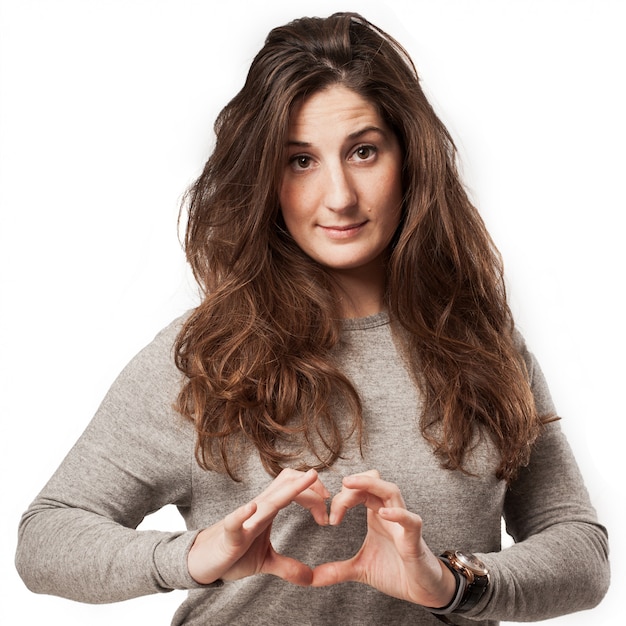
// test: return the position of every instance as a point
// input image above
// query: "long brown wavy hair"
(258, 351)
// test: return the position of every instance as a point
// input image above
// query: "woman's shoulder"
(161, 348)
(536, 378)
(167, 335)
(153, 371)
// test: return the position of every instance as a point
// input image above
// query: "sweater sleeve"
(559, 562)
(78, 539)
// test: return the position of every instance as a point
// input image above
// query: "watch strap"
(461, 585)
(472, 586)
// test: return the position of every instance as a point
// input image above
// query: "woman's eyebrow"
(299, 144)
(358, 133)
(354, 135)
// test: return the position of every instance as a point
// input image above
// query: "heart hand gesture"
(394, 557)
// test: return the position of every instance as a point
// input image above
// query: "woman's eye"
(365, 152)
(300, 162)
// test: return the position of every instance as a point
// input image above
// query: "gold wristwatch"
(472, 578)
(474, 571)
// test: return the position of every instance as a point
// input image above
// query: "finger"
(281, 492)
(401, 516)
(411, 523)
(333, 573)
(319, 488)
(365, 488)
(409, 542)
(288, 569)
(314, 500)
(288, 484)
(235, 522)
(372, 473)
(387, 492)
(315, 504)
(347, 499)
(350, 496)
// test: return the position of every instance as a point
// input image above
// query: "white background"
(106, 112)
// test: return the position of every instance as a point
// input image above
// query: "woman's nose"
(339, 193)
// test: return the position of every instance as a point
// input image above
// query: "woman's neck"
(361, 293)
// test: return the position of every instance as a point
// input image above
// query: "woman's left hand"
(394, 557)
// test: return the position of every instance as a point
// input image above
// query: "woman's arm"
(78, 538)
(559, 563)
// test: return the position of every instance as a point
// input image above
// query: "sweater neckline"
(363, 323)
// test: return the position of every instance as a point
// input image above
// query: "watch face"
(473, 563)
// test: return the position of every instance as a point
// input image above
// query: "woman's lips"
(343, 232)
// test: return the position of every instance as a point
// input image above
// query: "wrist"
(456, 590)
(473, 579)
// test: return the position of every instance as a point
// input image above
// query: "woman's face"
(341, 191)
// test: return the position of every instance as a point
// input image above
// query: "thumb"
(291, 570)
(335, 572)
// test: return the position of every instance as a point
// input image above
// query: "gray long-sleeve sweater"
(78, 538)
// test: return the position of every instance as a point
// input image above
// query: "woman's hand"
(240, 546)
(394, 557)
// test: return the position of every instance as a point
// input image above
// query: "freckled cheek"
(395, 206)
(390, 195)
(293, 210)
(285, 199)
(296, 202)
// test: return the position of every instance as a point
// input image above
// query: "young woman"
(349, 413)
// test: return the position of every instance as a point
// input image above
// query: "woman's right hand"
(240, 546)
